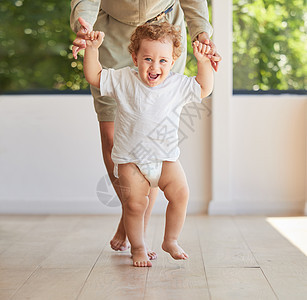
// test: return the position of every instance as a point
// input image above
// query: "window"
(269, 45)
(35, 50)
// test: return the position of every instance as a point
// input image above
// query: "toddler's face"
(154, 61)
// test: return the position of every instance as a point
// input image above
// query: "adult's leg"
(174, 185)
(134, 194)
(152, 199)
(119, 241)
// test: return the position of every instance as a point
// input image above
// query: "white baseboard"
(83, 206)
(86, 206)
(195, 206)
(270, 207)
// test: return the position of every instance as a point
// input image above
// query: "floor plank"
(82, 246)
(288, 282)
(6, 294)
(283, 264)
(175, 279)
(114, 277)
(30, 249)
(69, 257)
(222, 244)
(294, 229)
(51, 284)
(238, 283)
(11, 280)
(14, 228)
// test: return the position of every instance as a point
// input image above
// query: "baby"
(149, 102)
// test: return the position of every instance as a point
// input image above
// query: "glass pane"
(269, 45)
(35, 39)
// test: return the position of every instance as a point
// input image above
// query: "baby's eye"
(148, 59)
(162, 61)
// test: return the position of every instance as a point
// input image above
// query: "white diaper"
(151, 171)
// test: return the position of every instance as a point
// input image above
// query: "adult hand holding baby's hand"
(201, 51)
(214, 57)
(82, 35)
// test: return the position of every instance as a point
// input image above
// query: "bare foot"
(140, 258)
(174, 250)
(120, 241)
(151, 254)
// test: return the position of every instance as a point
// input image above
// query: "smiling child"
(149, 102)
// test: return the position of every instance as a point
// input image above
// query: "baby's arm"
(204, 71)
(91, 65)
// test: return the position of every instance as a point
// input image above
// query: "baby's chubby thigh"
(133, 186)
(173, 182)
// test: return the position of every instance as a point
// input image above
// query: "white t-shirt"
(147, 118)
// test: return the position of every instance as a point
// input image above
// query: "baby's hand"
(95, 39)
(201, 51)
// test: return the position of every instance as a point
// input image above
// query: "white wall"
(306, 162)
(268, 154)
(258, 142)
(50, 157)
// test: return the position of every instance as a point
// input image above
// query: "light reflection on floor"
(293, 229)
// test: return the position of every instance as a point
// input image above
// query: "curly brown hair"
(158, 32)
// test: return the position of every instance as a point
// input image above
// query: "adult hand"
(215, 58)
(82, 35)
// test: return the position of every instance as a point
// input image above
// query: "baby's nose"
(154, 66)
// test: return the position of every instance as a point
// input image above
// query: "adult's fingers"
(215, 65)
(214, 62)
(84, 30)
(84, 24)
(211, 45)
(216, 57)
(79, 43)
(75, 51)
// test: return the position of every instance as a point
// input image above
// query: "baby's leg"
(174, 185)
(134, 190)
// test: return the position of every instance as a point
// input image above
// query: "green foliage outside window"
(35, 39)
(35, 46)
(270, 44)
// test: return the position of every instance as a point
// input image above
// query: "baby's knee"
(180, 195)
(183, 193)
(135, 207)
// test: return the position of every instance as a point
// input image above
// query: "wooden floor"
(69, 257)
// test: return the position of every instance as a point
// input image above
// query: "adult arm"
(197, 17)
(82, 18)
(214, 57)
(86, 9)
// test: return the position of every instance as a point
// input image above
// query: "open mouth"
(152, 76)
